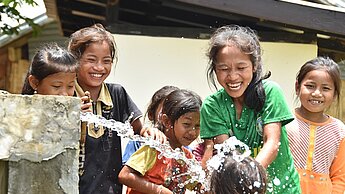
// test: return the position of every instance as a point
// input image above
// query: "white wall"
(148, 63)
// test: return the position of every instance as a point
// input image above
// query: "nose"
(98, 66)
(316, 93)
(232, 74)
(63, 92)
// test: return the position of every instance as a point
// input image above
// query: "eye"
(56, 86)
(309, 86)
(222, 68)
(186, 124)
(326, 88)
(241, 68)
(91, 60)
(107, 62)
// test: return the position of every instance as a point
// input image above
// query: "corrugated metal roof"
(24, 29)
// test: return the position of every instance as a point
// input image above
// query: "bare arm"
(132, 179)
(271, 138)
(137, 126)
(209, 148)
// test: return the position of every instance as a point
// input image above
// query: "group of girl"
(300, 153)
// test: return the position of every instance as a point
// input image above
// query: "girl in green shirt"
(253, 110)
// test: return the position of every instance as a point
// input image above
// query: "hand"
(155, 133)
(86, 102)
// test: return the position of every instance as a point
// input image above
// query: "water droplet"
(276, 181)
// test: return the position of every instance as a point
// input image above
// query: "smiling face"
(185, 130)
(316, 92)
(95, 66)
(234, 70)
(62, 84)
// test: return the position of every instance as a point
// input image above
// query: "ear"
(254, 68)
(33, 81)
(165, 121)
(297, 88)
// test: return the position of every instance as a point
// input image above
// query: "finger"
(161, 136)
(86, 107)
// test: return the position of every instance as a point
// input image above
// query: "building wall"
(3, 64)
(50, 33)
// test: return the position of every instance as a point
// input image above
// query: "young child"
(53, 71)
(316, 139)
(153, 111)
(239, 176)
(100, 150)
(252, 109)
(145, 172)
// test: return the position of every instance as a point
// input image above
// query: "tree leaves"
(10, 8)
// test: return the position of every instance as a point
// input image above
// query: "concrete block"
(39, 137)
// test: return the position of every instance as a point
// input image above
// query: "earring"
(35, 91)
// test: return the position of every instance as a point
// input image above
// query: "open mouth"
(235, 86)
(316, 102)
(96, 75)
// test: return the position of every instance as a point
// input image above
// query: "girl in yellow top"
(316, 139)
(147, 172)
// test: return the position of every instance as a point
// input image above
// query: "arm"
(337, 170)
(132, 179)
(271, 138)
(208, 152)
(137, 126)
(209, 147)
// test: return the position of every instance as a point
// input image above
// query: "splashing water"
(194, 169)
(228, 146)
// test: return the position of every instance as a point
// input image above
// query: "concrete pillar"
(39, 137)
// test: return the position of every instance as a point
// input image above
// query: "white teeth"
(315, 101)
(96, 75)
(234, 86)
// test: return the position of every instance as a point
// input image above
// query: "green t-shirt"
(218, 116)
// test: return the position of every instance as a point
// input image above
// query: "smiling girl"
(247, 106)
(147, 172)
(317, 140)
(53, 71)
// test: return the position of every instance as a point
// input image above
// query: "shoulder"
(146, 150)
(218, 97)
(273, 90)
(188, 153)
(114, 87)
(339, 124)
(117, 90)
(270, 85)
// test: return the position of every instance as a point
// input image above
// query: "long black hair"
(247, 41)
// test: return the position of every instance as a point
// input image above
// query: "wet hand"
(155, 133)
(86, 102)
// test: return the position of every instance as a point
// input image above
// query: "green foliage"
(10, 8)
